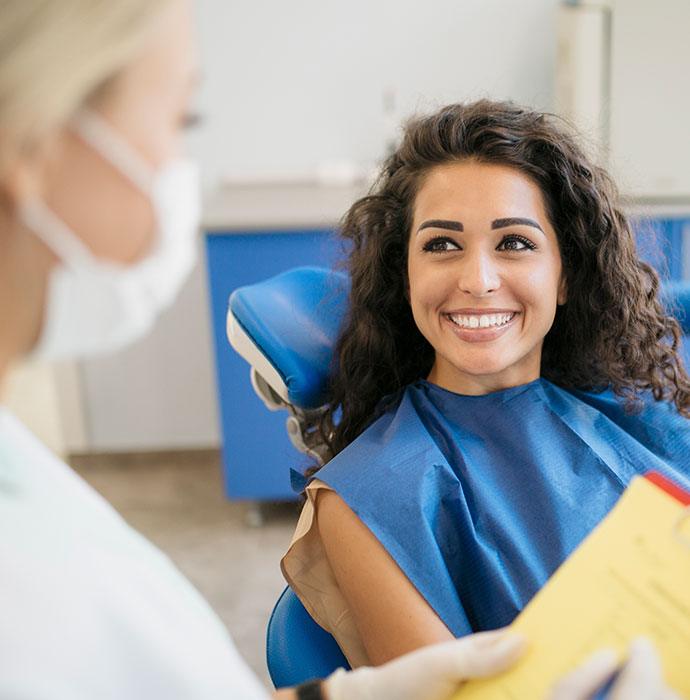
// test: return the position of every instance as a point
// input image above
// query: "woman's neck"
(446, 376)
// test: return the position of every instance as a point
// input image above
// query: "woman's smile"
(482, 325)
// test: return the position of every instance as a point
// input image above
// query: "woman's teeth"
(481, 321)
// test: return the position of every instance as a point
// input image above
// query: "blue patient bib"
(480, 498)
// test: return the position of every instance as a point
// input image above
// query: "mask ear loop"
(98, 134)
(54, 233)
(683, 539)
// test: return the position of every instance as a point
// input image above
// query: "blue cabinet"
(256, 451)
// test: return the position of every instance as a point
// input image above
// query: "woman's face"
(485, 275)
(146, 105)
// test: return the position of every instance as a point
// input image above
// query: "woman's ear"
(562, 296)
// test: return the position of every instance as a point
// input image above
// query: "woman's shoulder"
(656, 424)
(646, 411)
(650, 434)
(642, 415)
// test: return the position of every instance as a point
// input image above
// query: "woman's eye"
(440, 245)
(516, 243)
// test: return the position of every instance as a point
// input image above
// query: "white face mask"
(95, 305)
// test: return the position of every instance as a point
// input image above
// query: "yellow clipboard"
(629, 577)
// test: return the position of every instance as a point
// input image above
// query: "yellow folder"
(629, 577)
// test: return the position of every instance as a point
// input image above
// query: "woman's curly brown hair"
(612, 332)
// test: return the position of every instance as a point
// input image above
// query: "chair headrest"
(293, 320)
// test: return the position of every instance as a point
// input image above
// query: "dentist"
(97, 218)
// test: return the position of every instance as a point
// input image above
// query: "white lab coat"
(89, 609)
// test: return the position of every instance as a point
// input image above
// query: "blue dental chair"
(286, 328)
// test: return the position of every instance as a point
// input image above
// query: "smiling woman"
(504, 371)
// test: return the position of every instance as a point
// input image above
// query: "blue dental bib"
(480, 498)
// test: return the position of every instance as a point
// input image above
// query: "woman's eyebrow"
(442, 223)
(515, 221)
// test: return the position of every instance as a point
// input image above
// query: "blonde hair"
(55, 55)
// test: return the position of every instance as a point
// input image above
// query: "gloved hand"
(431, 673)
(641, 678)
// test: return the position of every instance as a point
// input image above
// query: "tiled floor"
(177, 501)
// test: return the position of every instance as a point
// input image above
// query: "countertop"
(279, 206)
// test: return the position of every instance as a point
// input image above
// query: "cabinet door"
(257, 453)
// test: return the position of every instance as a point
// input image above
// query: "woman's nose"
(478, 275)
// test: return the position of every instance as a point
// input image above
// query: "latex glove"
(431, 673)
(641, 678)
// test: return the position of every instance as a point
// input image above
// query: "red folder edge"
(678, 492)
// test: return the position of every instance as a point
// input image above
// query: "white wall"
(650, 99)
(288, 86)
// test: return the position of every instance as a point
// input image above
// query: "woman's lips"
(480, 326)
